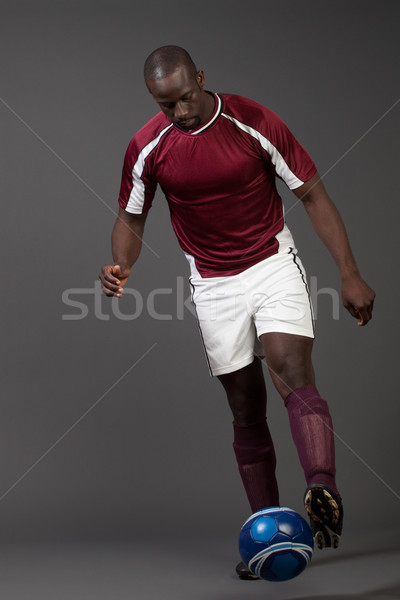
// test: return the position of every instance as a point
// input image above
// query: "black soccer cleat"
(244, 572)
(325, 510)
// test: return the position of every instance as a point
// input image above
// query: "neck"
(209, 106)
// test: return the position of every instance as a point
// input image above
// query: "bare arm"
(126, 243)
(357, 296)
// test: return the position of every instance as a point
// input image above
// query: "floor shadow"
(333, 557)
(389, 593)
(256, 590)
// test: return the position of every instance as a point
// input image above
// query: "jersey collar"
(211, 120)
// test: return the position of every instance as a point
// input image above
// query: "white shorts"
(233, 312)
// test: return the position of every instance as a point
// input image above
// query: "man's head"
(165, 60)
(177, 87)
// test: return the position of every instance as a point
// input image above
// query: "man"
(216, 158)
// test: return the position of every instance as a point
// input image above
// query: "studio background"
(111, 425)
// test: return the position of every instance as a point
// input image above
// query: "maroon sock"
(312, 432)
(255, 455)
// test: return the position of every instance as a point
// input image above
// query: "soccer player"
(216, 157)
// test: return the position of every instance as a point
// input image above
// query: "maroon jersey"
(219, 181)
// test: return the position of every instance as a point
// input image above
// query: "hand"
(358, 298)
(113, 279)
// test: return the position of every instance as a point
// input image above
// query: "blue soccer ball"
(276, 543)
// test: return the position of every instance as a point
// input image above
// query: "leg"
(289, 361)
(246, 393)
(253, 444)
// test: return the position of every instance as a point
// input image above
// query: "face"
(182, 98)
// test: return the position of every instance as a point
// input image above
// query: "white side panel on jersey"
(279, 162)
(285, 239)
(136, 198)
(192, 263)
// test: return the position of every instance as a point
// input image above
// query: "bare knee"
(289, 361)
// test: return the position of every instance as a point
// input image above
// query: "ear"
(201, 80)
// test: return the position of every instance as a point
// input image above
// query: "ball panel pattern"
(276, 544)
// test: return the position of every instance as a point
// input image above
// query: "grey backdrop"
(110, 426)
